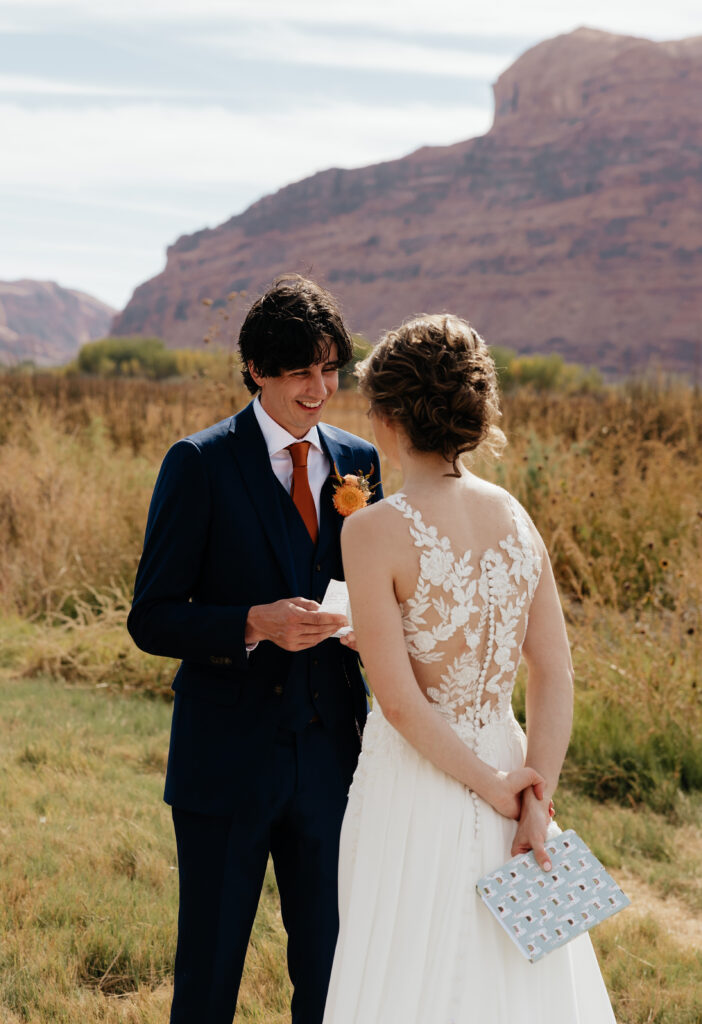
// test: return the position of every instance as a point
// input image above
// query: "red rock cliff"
(574, 225)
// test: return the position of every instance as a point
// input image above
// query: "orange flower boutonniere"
(352, 491)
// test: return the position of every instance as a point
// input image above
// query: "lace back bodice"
(466, 621)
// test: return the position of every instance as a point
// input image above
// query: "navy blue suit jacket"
(216, 543)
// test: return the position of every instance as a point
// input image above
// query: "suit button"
(278, 691)
(318, 598)
(315, 695)
(318, 567)
(315, 662)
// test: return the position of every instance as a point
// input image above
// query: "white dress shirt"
(277, 440)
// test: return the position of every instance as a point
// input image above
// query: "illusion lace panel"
(468, 617)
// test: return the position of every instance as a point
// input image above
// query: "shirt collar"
(277, 438)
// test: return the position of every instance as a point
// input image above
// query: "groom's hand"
(293, 623)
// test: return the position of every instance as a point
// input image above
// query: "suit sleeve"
(375, 477)
(163, 619)
(376, 495)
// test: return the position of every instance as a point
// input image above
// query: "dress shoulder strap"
(531, 562)
(424, 536)
(397, 500)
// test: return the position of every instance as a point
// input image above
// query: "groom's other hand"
(293, 624)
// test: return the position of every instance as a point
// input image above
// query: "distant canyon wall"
(574, 225)
(45, 323)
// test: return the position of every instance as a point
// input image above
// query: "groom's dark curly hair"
(293, 325)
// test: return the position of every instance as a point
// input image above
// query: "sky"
(127, 123)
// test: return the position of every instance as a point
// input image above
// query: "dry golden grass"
(613, 480)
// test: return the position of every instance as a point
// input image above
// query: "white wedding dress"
(416, 945)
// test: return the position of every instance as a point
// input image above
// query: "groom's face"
(296, 399)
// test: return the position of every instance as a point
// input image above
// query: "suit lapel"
(341, 456)
(251, 454)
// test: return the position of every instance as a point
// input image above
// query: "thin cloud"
(287, 44)
(30, 85)
(65, 203)
(541, 18)
(145, 144)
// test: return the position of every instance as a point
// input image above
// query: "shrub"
(543, 373)
(127, 357)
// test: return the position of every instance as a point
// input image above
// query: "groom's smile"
(296, 398)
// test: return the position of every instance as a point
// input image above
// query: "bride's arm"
(366, 547)
(549, 706)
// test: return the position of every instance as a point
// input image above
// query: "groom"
(241, 541)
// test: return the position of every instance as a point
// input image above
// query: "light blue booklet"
(541, 910)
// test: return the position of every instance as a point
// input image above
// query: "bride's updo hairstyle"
(435, 378)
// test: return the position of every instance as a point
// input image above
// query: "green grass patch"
(88, 886)
(88, 879)
(650, 978)
(638, 710)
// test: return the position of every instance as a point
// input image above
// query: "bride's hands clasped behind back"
(505, 795)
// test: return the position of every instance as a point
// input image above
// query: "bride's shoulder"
(490, 497)
(478, 485)
(525, 523)
(505, 499)
(499, 494)
(372, 526)
(370, 517)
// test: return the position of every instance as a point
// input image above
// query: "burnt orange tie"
(300, 492)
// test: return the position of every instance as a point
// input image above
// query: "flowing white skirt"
(416, 945)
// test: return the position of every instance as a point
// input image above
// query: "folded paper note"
(542, 910)
(336, 602)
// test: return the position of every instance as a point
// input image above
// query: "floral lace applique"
(491, 610)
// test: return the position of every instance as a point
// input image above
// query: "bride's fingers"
(536, 782)
(541, 856)
(349, 640)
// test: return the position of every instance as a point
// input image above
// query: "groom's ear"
(255, 375)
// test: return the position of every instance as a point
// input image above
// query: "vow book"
(542, 910)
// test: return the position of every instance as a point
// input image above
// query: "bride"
(450, 584)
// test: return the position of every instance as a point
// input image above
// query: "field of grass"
(87, 887)
(88, 884)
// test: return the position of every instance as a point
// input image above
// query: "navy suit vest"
(297, 707)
